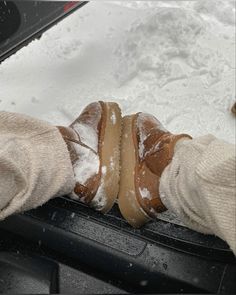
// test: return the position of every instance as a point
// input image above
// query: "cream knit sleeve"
(199, 185)
(34, 163)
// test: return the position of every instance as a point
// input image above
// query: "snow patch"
(156, 44)
(87, 165)
(104, 170)
(112, 163)
(173, 59)
(100, 199)
(145, 193)
(144, 133)
(87, 134)
(113, 118)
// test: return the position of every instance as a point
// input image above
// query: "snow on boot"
(93, 141)
(146, 149)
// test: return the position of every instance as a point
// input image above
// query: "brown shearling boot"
(93, 141)
(146, 149)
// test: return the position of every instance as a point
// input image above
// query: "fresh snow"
(173, 59)
(87, 164)
(145, 193)
(113, 118)
(100, 199)
(87, 134)
(143, 134)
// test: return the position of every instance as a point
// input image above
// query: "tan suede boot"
(146, 149)
(93, 141)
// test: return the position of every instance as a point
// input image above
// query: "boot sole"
(127, 199)
(109, 159)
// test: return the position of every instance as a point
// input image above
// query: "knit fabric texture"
(199, 186)
(34, 164)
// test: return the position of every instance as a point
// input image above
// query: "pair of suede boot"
(117, 158)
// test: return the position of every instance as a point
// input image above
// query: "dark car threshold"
(23, 21)
(160, 257)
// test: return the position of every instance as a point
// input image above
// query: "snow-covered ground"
(174, 59)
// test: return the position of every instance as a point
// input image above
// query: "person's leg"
(146, 149)
(34, 163)
(195, 178)
(93, 140)
(39, 161)
(199, 185)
